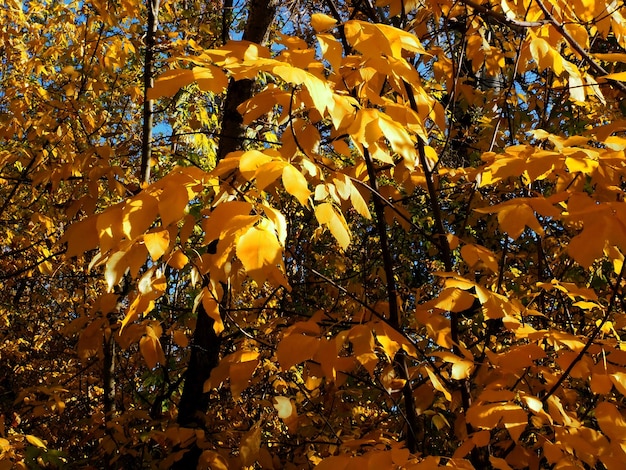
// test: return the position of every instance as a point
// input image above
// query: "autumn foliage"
(332, 234)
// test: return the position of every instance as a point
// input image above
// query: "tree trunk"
(206, 343)
(148, 105)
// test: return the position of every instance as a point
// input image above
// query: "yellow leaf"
(258, 249)
(240, 374)
(478, 256)
(227, 217)
(279, 222)
(454, 300)
(139, 215)
(321, 22)
(170, 82)
(326, 214)
(437, 384)
(250, 161)
(363, 347)
(513, 219)
(545, 55)
(81, 237)
(212, 309)
(600, 383)
(619, 380)
(461, 368)
(157, 243)
(336, 462)
(331, 50)
(210, 78)
(109, 226)
(35, 441)
(619, 76)
(213, 460)
(284, 406)
(376, 39)
(499, 463)
(319, 90)
(358, 203)
(115, 269)
(268, 173)
(296, 184)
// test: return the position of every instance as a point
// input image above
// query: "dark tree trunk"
(206, 343)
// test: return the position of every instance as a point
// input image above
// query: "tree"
(404, 248)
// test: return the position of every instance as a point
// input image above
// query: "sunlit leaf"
(284, 406)
(34, 440)
(258, 248)
(321, 22)
(296, 184)
(326, 214)
(157, 243)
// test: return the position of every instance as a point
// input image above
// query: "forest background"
(321, 233)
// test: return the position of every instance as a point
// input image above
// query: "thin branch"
(592, 338)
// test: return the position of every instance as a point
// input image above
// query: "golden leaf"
(172, 203)
(250, 161)
(321, 22)
(180, 338)
(437, 384)
(611, 421)
(331, 50)
(35, 441)
(478, 256)
(296, 348)
(326, 214)
(157, 243)
(150, 348)
(453, 300)
(296, 184)
(240, 374)
(210, 78)
(258, 249)
(169, 82)
(178, 260)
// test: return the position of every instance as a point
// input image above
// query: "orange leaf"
(240, 374)
(178, 260)
(296, 348)
(150, 348)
